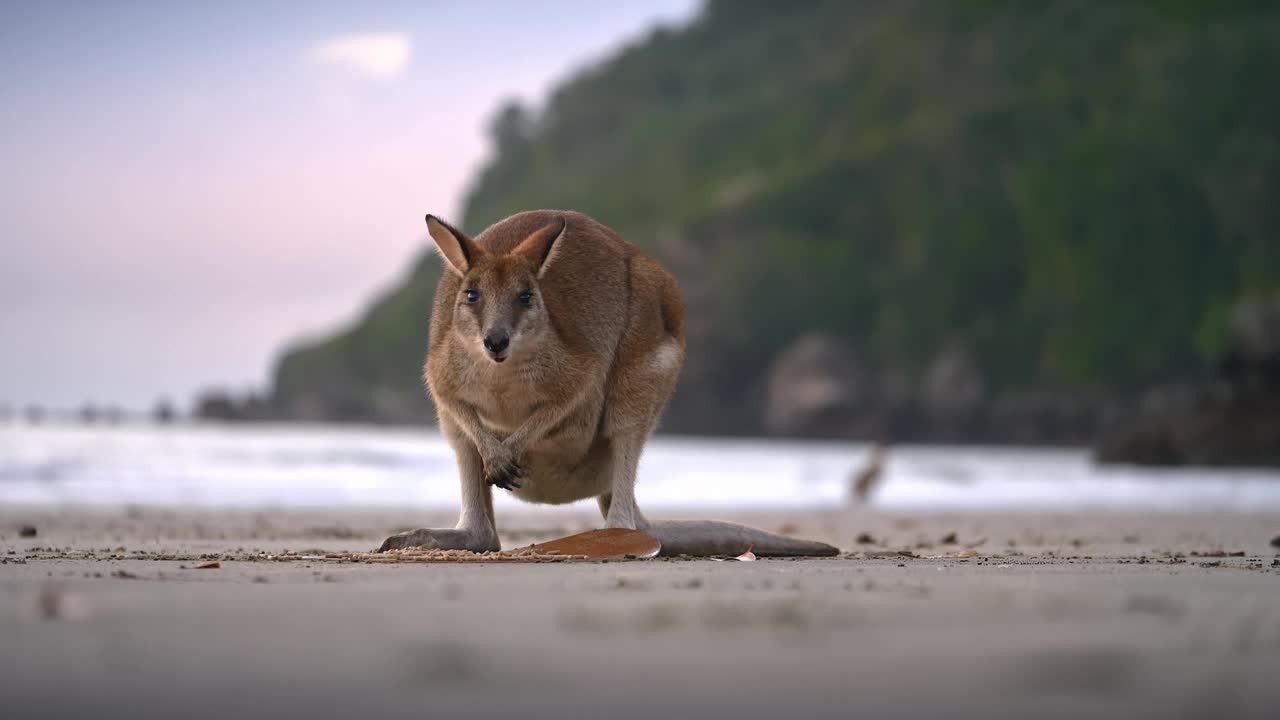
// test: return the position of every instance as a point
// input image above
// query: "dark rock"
(27, 531)
(815, 387)
(1255, 329)
(1146, 443)
(224, 406)
(952, 398)
(1234, 421)
(1241, 429)
(954, 384)
(163, 413)
(1043, 417)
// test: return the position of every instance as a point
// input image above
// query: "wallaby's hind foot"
(713, 537)
(442, 539)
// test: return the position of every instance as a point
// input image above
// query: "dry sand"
(104, 614)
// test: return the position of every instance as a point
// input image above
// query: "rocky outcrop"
(1255, 330)
(953, 395)
(1234, 420)
(225, 406)
(816, 388)
(1241, 429)
(1044, 417)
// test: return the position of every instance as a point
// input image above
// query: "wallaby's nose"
(496, 342)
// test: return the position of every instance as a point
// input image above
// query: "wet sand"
(104, 613)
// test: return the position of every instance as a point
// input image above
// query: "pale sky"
(188, 186)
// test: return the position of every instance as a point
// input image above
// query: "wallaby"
(554, 346)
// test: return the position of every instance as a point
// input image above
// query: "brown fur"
(562, 412)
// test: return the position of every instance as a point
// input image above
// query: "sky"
(188, 187)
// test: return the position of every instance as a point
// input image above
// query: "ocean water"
(343, 466)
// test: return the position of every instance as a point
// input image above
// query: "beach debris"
(966, 553)
(747, 556)
(865, 539)
(606, 544)
(211, 565)
(423, 555)
(1217, 554)
(600, 545)
(1275, 542)
(949, 539)
(27, 531)
(882, 554)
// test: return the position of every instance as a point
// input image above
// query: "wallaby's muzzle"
(496, 343)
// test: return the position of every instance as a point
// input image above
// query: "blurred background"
(1030, 246)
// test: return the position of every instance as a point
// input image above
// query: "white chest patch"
(665, 358)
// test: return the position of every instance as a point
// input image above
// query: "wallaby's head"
(499, 312)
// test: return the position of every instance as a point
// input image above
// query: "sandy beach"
(1106, 615)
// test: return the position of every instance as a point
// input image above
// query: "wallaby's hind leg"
(635, 401)
(476, 529)
(621, 511)
(640, 386)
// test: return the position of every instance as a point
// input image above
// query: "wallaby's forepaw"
(506, 476)
(451, 539)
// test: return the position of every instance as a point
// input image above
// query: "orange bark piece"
(607, 544)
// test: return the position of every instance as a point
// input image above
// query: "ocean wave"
(261, 465)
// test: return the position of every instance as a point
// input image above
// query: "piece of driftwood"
(607, 544)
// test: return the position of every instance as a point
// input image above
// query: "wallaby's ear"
(458, 250)
(541, 246)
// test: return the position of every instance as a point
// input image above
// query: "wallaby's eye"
(472, 295)
(525, 298)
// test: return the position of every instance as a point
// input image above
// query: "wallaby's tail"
(712, 537)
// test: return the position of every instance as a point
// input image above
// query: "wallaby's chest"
(505, 396)
(502, 404)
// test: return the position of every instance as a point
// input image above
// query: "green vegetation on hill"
(1074, 193)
